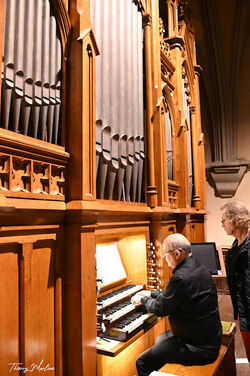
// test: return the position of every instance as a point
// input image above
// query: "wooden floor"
(226, 313)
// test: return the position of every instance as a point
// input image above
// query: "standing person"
(235, 221)
(190, 301)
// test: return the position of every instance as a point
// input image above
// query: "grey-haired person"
(235, 220)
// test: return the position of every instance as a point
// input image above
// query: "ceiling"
(222, 35)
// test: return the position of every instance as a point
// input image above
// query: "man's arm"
(136, 299)
(166, 301)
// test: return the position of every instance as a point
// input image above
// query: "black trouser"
(170, 349)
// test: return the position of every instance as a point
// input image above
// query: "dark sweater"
(190, 300)
(238, 276)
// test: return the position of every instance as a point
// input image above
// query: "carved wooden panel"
(39, 308)
(23, 176)
(173, 195)
(4, 172)
(30, 318)
(9, 313)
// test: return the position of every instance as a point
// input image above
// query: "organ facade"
(101, 149)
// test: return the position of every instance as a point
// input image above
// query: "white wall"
(214, 230)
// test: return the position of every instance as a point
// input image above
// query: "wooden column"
(81, 104)
(151, 188)
(196, 170)
(200, 141)
(80, 306)
(159, 110)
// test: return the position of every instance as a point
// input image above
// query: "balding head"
(177, 241)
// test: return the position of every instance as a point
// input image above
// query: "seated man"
(190, 300)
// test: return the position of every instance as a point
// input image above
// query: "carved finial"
(163, 44)
(147, 19)
(182, 10)
(192, 109)
(161, 29)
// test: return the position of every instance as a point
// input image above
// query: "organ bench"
(223, 366)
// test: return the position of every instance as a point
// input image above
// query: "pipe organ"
(169, 143)
(120, 149)
(99, 162)
(31, 70)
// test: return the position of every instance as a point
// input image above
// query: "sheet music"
(108, 263)
(106, 344)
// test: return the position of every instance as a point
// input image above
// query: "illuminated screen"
(207, 255)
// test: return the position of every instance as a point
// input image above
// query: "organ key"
(121, 319)
(129, 326)
(117, 295)
(119, 310)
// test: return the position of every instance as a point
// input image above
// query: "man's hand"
(136, 299)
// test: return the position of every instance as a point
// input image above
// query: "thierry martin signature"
(34, 367)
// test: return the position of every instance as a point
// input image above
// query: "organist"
(190, 301)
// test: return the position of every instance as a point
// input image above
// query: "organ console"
(118, 320)
(120, 317)
(126, 263)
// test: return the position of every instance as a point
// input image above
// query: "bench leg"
(228, 364)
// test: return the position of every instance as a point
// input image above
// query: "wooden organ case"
(101, 152)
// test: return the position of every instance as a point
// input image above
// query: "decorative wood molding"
(167, 71)
(23, 177)
(175, 42)
(88, 33)
(140, 4)
(31, 168)
(147, 20)
(81, 114)
(30, 147)
(164, 46)
(173, 194)
(63, 20)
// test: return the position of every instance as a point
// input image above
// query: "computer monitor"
(207, 255)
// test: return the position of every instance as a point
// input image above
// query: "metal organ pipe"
(32, 64)
(58, 87)
(8, 61)
(27, 64)
(18, 58)
(45, 67)
(37, 70)
(169, 145)
(118, 30)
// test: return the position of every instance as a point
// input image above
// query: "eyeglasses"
(172, 250)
